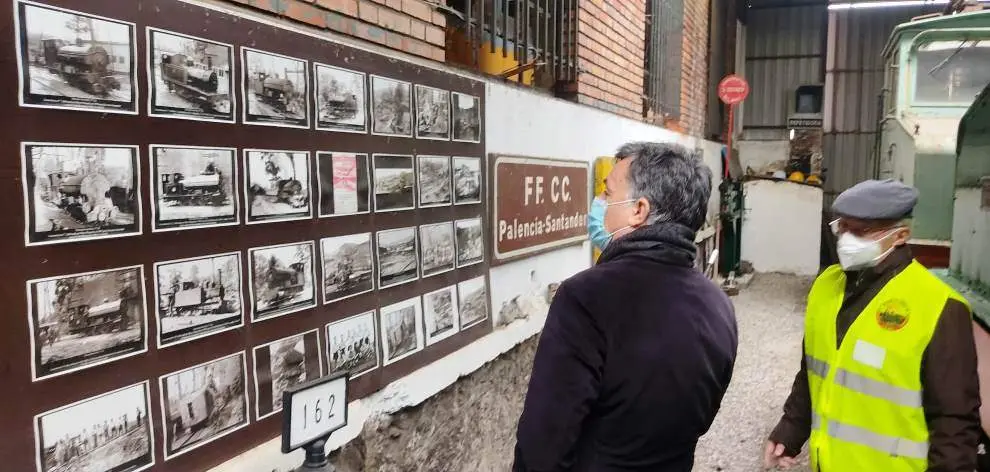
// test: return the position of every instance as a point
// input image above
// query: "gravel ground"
(771, 322)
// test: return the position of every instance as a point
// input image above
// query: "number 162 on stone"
(313, 410)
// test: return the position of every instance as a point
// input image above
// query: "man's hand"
(773, 457)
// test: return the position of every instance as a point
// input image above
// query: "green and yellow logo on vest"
(893, 314)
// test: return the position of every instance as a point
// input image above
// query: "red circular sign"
(733, 89)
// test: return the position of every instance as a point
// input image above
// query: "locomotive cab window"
(951, 72)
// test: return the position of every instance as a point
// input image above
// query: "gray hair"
(675, 181)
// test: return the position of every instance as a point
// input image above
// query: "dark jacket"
(950, 386)
(632, 364)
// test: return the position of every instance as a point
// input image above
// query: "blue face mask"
(596, 224)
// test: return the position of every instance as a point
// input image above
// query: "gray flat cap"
(876, 200)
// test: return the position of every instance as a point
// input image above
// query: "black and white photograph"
(440, 320)
(437, 248)
(434, 181)
(80, 192)
(345, 183)
(282, 364)
(203, 403)
(111, 432)
(397, 257)
(194, 187)
(395, 182)
(467, 180)
(352, 345)
(198, 297)
(391, 107)
(76, 61)
(402, 330)
(189, 78)
(432, 113)
(467, 117)
(348, 266)
(341, 100)
(84, 320)
(277, 186)
(472, 301)
(470, 242)
(281, 279)
(275, 88)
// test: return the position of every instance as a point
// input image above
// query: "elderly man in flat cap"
(888, 380)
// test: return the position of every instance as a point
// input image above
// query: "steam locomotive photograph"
(470, 242)
(472, 301)
(281, 279)
(397, 260)
(348, 268)
(77, 192)
(277, 185)
(345, 183)
(391, 107)
(432, 113)
(395, 182)
(203, 403)
(467, 180)
(402, 330)
(83, 320)
(193, 187)
(352, 345)
(436, 248)
(111, 432)
(467, 118)
(74, 60)
(189, 77)
(341, 100)
(282, 364)
(434, 180)
(275, 87)
(440, 314)
(198, 297)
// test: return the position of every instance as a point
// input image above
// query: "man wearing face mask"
(637, 351)
(888, 380)
(596, 223)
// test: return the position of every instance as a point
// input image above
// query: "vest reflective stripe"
(865, 385)
(896, 447)
(818, 366)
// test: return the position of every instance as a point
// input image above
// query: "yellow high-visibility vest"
(866, 404)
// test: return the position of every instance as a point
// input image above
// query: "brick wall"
(611, 55)
(405, 25)
(694, 67)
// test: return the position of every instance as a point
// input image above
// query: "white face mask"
(857, 253)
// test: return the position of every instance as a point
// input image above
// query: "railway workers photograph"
(341, 100)
(275, 87)
(345, 183)
(281, 364)
(395, 182)
(198, 297)
(437, 249)
(352, 345)
(467, 118)
(281, 279)
(470, 242)
(74, 60)
(348, 266)
(402, 330)
(276, 186)
(203, 403)
(194, 187)
(83, 320)
(467, 180)
(434, 181)
(440, 318)
(472, 296)
(79, 192)
(391, 107)
(397, 257)
(432, 113)
(189, 77)
(111, 432)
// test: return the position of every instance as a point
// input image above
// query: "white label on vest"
(869, 354)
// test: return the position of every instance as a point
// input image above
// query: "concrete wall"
(794, 211)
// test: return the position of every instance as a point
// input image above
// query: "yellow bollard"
(603, 165)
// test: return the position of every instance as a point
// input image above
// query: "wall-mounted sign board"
(539, 204)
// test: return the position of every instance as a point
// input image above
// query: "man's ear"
(640, 213)
(902, 236)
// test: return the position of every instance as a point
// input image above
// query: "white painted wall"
(758, 154)
(781, 230)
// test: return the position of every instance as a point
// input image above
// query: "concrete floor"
(770, 314)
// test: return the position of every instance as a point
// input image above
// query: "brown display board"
(539, 205)
(193, 197)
